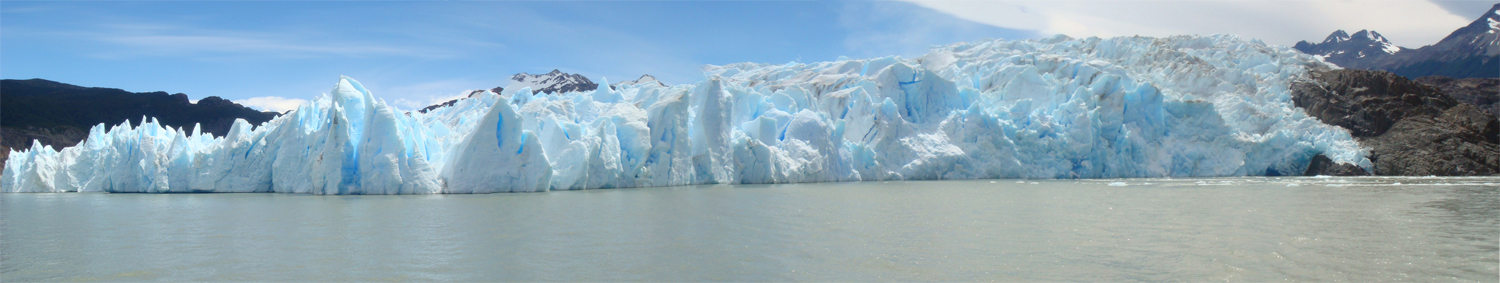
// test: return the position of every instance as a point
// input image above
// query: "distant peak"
(522, 76)
(1369, 35)
(646, 78)
(1494, 13)
(1337, 36)
(555, 81)
(1488, 23)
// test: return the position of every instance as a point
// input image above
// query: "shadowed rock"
(1322, 165)
(1411, 128)
(1482, 92)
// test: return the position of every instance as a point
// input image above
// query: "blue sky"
(413, 53)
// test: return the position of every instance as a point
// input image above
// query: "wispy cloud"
(1411, 23)
(272, 103)
(879, 29)
(156, 40)
(180, 44)
(27, 9)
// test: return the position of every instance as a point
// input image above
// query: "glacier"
(1057, 107)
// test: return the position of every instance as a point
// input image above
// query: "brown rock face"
(1482, 92)
(1447, 145)
(1412, 128)
(1366, 102)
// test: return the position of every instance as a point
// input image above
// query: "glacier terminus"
(1046, 108)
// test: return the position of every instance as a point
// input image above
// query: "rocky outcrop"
(1460, 142)
(1411, 128)
(1322, 165)
(1366, 102)
(1482, 92)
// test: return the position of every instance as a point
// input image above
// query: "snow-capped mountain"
(1356, 51)
(644, 79)
(1479, 38)
(1470, 51)
(555, 82)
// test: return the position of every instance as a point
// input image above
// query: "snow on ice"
(1047, 108)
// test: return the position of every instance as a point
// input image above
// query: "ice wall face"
(1051, 108)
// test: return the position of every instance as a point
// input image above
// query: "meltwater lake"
(1217, 229)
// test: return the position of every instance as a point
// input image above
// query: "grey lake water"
(1219, 229)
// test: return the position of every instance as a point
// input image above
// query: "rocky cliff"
(1410, 127)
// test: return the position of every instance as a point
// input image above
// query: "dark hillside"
(60, 115)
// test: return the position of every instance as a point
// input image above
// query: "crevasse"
(1048, 108)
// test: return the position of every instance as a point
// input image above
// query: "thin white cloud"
(242, 44)
(878, 29)
(1410, 23)
(27, 10)
(135, 40)
(272, 103)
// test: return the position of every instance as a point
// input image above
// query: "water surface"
(1236, 229)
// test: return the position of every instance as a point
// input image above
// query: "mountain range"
(552, 82)
(558, 82)
(1472, 51)
(555, 82)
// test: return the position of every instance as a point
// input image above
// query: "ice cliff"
(1048, 108)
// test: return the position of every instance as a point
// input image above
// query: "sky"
(272, 55)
